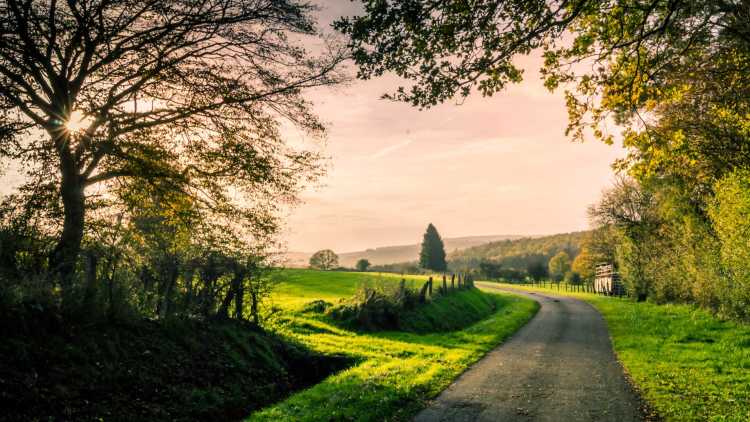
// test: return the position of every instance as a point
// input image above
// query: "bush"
(317, 306)
(376, 306)
(729, 213)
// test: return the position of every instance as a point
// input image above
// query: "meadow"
(687, 364)
(395, 372)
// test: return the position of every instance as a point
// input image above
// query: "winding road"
(558, 367)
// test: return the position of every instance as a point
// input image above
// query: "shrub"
(376, 306)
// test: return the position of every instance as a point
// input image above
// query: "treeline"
(514, 260)
(671, 246)
(509, 260)
(162, 261)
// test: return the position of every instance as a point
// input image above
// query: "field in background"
(297, 287)
(688, 364)
(396, 372)
(397, 253)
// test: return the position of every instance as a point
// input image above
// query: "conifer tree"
(432, 255)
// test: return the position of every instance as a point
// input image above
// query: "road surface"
(559, 367)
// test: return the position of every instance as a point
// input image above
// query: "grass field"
(396, 372)
(297, 287)
(688, 364)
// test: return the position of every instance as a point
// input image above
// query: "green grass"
(455, 311)
(298, 287)
(396, 372)
(688, 364)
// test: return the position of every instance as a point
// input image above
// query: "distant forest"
(518, 254)
(513, 256)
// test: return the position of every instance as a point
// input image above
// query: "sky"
(499, 165)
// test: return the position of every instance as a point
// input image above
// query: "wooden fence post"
(430, 288)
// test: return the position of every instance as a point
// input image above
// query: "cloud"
(390, 149)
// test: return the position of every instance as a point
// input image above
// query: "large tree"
(559, 265)
(432, 253)
(363, 264)
(324, 259)
(99, 93)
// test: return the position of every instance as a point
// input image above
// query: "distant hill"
(400, 253)
(517, 253)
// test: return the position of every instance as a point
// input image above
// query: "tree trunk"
(92, 263)
(223, 312)
(254, 306)
(239, 295)
(188, 277)
(65, 254)
(168, 291)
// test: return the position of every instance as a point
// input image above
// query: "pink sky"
(499, 165)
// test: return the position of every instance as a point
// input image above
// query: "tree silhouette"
(363, 264)
(432, 254)
(95, 93)
(324, 259)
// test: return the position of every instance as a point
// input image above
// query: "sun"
(78, 121)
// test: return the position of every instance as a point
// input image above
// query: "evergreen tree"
(432, 255)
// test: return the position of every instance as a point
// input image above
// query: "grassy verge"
(396, 371)
(455, 311)
(688, 364)
(181, 370)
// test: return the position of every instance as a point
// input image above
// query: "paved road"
(559, 367)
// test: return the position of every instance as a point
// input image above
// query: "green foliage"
(559, 266)
(386, 305)
(518, 254)
(537, 271)
(432, 253)
(494, 271)
(363, 265)
(572, 278)
(730, 213)
(585, 265)
(376, 306)
(324, 259)
(447, 49)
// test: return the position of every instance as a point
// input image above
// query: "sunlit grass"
(298, 287)
(688, 364)
(396, 372)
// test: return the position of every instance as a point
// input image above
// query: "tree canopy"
(559, 266)
(324, 259)
(363, 264)
(97, 95)
(432, 252)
